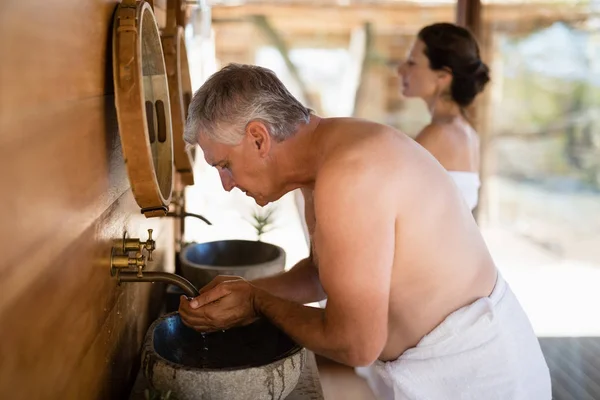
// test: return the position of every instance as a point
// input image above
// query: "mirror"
(143, 106)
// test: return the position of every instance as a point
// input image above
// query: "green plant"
(262, 220)
(153, 394)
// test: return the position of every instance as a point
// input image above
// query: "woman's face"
(418, 79)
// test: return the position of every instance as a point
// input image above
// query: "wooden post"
(468, 14)
(484, 125)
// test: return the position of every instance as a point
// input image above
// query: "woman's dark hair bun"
(452, 47)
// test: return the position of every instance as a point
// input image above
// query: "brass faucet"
(119, 263)
(182, 214)
(179, 209)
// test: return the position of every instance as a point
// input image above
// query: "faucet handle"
(150, 245)
(140, 263)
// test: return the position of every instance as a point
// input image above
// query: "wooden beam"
(468, 15)
(262, 22)
(397, 19)
(366, 51)
(482, 112)
(307, 19)
(314, 39)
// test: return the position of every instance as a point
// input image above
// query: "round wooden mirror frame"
(143, 106)
(180, 93)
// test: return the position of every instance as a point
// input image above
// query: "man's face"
(245, 166)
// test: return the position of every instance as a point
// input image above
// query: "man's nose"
(226, 180)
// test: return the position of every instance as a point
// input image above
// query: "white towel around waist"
(486, 350)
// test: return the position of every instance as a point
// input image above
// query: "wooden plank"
(107, 371)
(396, 19)
(58, 185)
(481, 112)
(53, 52)
(56, 321)
(68, 331)
(227, 36)
(337, 20)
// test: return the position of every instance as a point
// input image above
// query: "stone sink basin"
(253, 362)
(201, 262)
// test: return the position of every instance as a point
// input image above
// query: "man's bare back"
(440, 261)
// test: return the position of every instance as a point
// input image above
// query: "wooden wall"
(66, 330)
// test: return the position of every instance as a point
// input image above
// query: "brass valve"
(137, 245)
(124, 260)
(149, 245)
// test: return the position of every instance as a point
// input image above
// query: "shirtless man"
(410, 284)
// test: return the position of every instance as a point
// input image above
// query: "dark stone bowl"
(255, 362)
(201, 262)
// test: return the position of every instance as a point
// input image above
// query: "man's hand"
(227, 301)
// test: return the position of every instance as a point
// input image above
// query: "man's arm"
(300, 284)
(355, 244)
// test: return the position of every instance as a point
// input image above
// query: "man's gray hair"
(236, 95)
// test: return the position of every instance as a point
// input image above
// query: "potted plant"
(153, 394)
(250, 259)
(262, 220)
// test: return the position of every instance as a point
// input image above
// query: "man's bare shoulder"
(362, 166)
(354, 186)
(353, 139)
(365, 127)
(370, 156)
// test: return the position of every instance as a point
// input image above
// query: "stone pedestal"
(308, 387)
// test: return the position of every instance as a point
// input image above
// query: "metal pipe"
(187, 214)
(185, 285)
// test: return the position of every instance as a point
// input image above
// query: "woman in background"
(445, 70)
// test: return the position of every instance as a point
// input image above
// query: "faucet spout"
(187, 214)
(185, 285)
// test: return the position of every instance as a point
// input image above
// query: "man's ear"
(259, 137)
